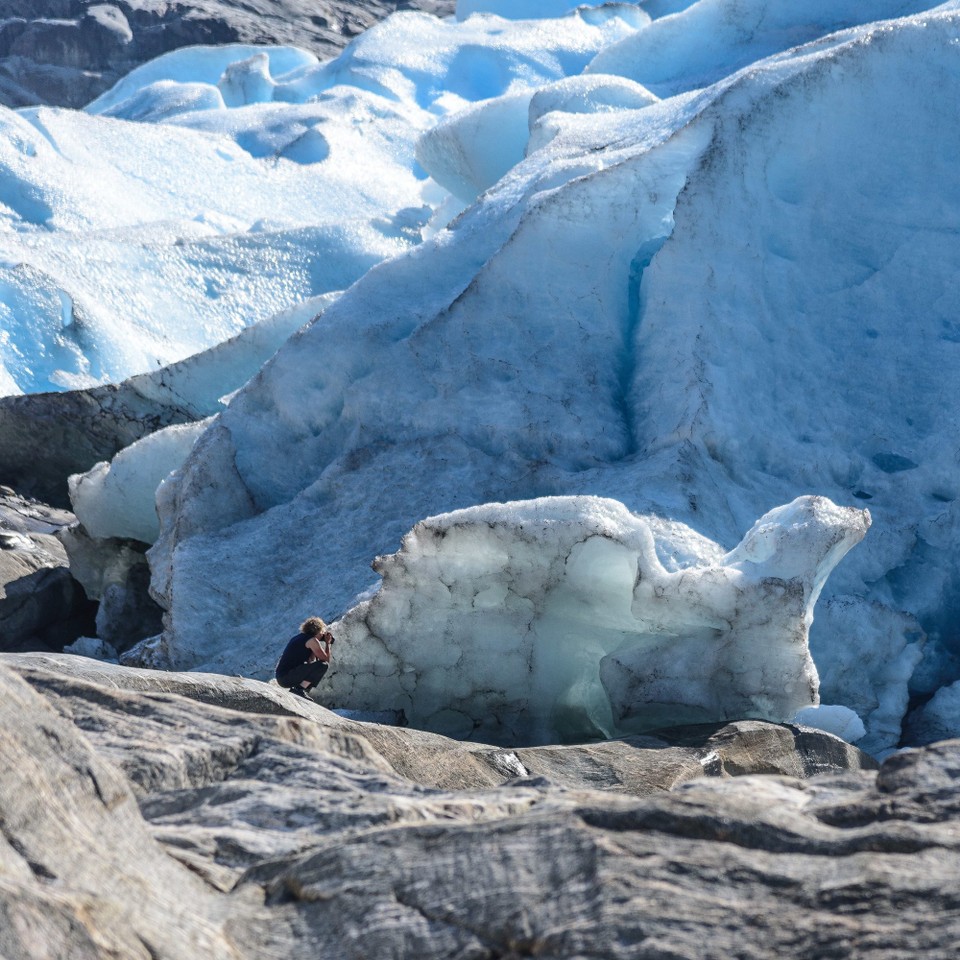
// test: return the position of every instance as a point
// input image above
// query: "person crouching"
(306, 658)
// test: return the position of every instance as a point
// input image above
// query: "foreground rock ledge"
(142, 823)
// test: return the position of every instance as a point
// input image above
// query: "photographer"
(306, 658)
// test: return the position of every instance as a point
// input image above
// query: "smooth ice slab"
(567, 618)
(116, 499)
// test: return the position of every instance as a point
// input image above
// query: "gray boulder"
(115, 573)
(276, 826)
(67, 52)
(41, 605)
(82, 871)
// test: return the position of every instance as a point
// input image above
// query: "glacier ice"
(556, 620)
(712, 39)
(701, 308)
(516, 9)
(125, 246)
(117, 499)
(938, 719)
(868, 656)
(215, 186)
(473, 149)
(833, 718)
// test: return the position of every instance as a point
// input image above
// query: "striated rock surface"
(279, 827)
(666, 757)
(66, 52)
(80, 874)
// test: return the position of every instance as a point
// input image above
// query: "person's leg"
(306, 675)
(317, 674)
(296, 677)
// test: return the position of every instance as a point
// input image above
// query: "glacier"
(654, 253)
(556, 620)
(216, 186)
(664, 306)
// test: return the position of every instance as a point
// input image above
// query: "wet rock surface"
(268, 825)
(67, 52)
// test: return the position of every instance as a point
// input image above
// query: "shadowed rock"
(45, 437)
(41, 605)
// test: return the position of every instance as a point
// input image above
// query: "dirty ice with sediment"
(638, 297)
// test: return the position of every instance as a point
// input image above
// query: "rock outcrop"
(45, 437)
(638, 765)
(66, 52)
(278, 825)
(42, 607)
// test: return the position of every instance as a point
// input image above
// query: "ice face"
(555, 620)
(712, 39)
(474, 148)
(470, 151)
(838, 720)
(939, 719)
(665, 306)
(116, 499)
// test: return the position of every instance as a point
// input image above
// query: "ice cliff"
(701, 307)
(654, 253)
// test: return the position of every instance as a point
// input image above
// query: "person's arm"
(320, 647)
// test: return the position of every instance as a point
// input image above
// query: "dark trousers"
(313, 672)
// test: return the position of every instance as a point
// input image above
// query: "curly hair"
(313, 626)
